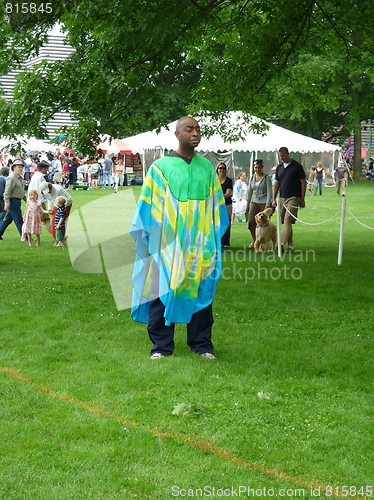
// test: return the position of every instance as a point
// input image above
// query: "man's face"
(18, 169)
(284, 157)
(188, 133)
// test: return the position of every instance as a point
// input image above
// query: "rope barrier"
(311, 210)
(323, 212)
(365, 215)
(342, 212)
(309, 223)
(362, 224)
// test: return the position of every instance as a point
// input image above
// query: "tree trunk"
(357, 166)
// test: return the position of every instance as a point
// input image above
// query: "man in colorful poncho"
(177, 228)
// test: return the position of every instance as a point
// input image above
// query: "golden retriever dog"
(265, 231)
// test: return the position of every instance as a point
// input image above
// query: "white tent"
(113, 147)
(273, 139)
(307, 150)
(28, 144)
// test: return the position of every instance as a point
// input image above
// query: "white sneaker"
(208, 355)
(156, 355)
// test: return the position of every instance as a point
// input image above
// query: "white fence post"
(279, 229)
(340, 254)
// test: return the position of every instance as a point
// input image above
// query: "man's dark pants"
(13, 214)
(199, 330)
(2, 211)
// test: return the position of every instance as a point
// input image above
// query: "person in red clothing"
(65, 172)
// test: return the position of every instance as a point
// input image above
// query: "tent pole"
(279, 229)
(143, 163)
(342, 219)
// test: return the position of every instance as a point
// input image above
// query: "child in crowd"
(312, 180)
(60, 221)
(119, 175)
(32, 223)
(66, 173)
(95, 172)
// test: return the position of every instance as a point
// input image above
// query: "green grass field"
(287, 407)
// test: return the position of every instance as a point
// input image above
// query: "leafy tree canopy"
(138, 65)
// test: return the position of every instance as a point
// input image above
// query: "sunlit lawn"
(85, 414)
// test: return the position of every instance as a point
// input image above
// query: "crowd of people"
(47, 178)
(68, 171)
(247, 200)
(39, 193)
(261, 193)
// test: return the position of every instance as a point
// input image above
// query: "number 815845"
(28, 8)
(345, 491)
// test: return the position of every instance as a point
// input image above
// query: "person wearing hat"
(13, 194)
(51, 192)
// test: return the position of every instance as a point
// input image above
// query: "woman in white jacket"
(239, 198)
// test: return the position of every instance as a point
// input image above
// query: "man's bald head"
(181, 122)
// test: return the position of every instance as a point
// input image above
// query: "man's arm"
(275, 192)
(49, 200)
(7, 192)
(303, 190)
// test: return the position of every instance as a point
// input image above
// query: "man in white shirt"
(36, 180)
(57, 167)
(108, 170)
(51, 192)
(82, 173)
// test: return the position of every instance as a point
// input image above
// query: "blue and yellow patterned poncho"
(178, 224)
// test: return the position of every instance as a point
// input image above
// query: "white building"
(54, 50)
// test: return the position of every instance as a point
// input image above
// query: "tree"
(316, 76)
(328, 92)
(130, 70)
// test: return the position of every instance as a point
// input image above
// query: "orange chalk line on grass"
(201, 444)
